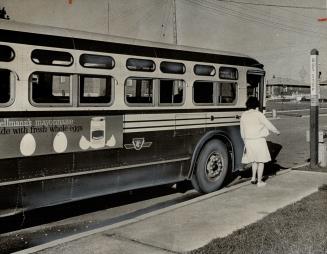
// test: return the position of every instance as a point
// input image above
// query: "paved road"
(295, 149)
(292, 105)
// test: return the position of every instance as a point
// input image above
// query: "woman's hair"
(252, 103)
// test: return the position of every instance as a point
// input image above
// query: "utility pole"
(174, 22)
(109, 16)
(314, 108)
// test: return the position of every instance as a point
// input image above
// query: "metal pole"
(174, 22)
(109, 16)
(314, 108)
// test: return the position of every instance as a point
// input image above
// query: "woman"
(254, 128)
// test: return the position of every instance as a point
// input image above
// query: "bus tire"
(195, 183)
(212, 166)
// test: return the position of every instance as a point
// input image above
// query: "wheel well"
(204, 140)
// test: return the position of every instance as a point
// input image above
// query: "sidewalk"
(192, 224)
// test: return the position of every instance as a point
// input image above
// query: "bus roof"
(17, 32)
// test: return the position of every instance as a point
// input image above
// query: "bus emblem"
(138, 144)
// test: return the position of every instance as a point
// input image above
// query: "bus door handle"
(237, 117)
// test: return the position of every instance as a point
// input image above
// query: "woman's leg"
(260, 172)
(254, 171)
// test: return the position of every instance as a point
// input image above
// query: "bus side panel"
(9, 170)
(48, 165)
(126, 179)
(10, 199)
(238, 146)
(161, 146)
(88, 161)
(158, 146)
(166, 160)
(10, 195)
(43, 193)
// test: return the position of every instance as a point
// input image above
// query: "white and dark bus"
(83, 115)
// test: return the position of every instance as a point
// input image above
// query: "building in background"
(287, 88)
(323, 90)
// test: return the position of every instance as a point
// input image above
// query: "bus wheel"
(212, 166)
(195, 183)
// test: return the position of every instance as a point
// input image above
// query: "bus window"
(97, 61)
(171, 91)
(134, 64)
(228, 73)
(95, 89)
(50, 88)
(6, 53)
(226, 92)
(204, 70)
(203, 92)
(172, 67)
(139, 91)
(6, 87)
(49, 57)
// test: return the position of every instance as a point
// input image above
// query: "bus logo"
(138, 144)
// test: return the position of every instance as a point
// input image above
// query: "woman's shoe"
(254, 181)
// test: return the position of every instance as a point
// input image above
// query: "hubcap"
(214, 166)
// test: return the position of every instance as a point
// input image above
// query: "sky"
(279, 37)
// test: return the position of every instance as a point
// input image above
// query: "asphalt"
(194, 223)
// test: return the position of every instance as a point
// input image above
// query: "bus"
(85, 114)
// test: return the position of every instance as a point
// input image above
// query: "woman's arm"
(268, 124)
(242, 129)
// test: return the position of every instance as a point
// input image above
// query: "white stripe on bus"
(180, 127)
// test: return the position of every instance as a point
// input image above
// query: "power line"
(312, 20)
(274, 5)
(302, 25)
(281, 26)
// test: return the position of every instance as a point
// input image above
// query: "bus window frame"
(173, 62)
(49, 104)
(54, 51)
(228, 67)
(129, 104)
(204, 65)
(141, 59)
(12, 51)
(114, 82)
(96, 67)
(171, 104)
(214, 91)
(12, 89)
(236, 93)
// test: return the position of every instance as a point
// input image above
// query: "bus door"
(255, 86)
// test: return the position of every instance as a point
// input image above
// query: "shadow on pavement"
(54, 213)
(271, 168)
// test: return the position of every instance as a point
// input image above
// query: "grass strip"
(297, 228)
